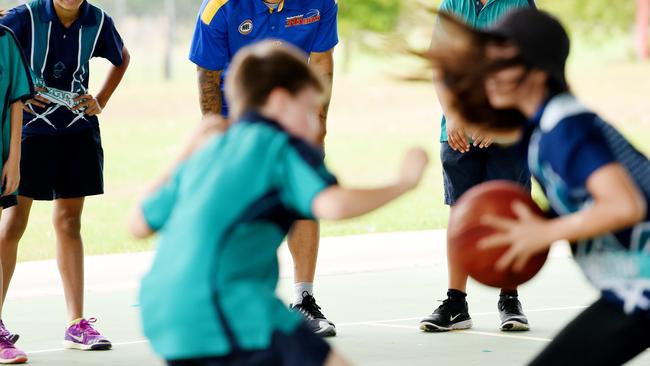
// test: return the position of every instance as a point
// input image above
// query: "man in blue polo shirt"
(225, 26)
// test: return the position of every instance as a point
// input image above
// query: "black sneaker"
(453, 314)
(314, 318)
(512, 315)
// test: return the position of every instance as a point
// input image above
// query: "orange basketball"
(465, 231)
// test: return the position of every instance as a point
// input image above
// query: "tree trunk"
(170, 10)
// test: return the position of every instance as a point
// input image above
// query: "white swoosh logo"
(454, 317)
(79, 339)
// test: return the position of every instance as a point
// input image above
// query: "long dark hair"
(458, 57)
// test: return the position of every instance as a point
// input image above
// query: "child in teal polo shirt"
(468, 161)
(15, 87)
(223, 211)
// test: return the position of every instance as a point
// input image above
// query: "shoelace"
(443, 306)
(446, 303)
(5, 343)
(86, 326)
(4, 332)
(309, 307)
(510, 305)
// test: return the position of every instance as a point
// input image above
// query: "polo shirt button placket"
(274, 27)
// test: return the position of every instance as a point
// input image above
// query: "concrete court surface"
(374, 287)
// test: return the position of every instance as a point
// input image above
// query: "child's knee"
(68, 223)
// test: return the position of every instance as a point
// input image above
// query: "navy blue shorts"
(461, 172)
(8, 201)
(300, 348)
(62, 166)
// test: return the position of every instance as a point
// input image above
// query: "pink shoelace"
(86, 326)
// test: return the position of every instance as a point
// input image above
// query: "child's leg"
(601, 335)
(303, 244)
(70, 257)
(457, 277)
(12, 227)
(8, 352)
(461, 172)
(334, 359)
(507, 163)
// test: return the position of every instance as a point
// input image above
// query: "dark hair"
(259, 69)
(458, 56)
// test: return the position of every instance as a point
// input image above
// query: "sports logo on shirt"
(246, 27)
(312, 16)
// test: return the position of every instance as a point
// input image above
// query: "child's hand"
(527, 235)
(413, 166)
(10, 176)
(89, 104)
(482, 140)
(456, 136)
(38, 101)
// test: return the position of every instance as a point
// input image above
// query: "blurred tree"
(357, 18)
(369, 15)
(593, 19)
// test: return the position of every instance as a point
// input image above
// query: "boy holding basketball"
(209, 298)
(597, 183)
(469, 160)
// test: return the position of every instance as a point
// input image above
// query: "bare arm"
(456, 135)
(617, 204)
(11, 170)
(114, 79)
(338, 203)
(210, 95)
(94, 105)
(323, 63)
(209, 127)
(138, 225)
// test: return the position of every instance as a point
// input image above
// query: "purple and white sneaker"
(5, 333)
(83, 336)
(9, 354)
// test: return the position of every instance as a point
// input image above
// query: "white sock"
(302, 289)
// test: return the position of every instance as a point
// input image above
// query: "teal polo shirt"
(222, 217)
(15, 84)
(479, 16)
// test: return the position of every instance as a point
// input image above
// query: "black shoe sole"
(328, 333)
(514, 326)
(429, 327)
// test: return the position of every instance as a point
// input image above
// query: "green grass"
(373, 120)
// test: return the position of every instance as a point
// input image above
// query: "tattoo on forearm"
(329, 79)
(209, 91)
